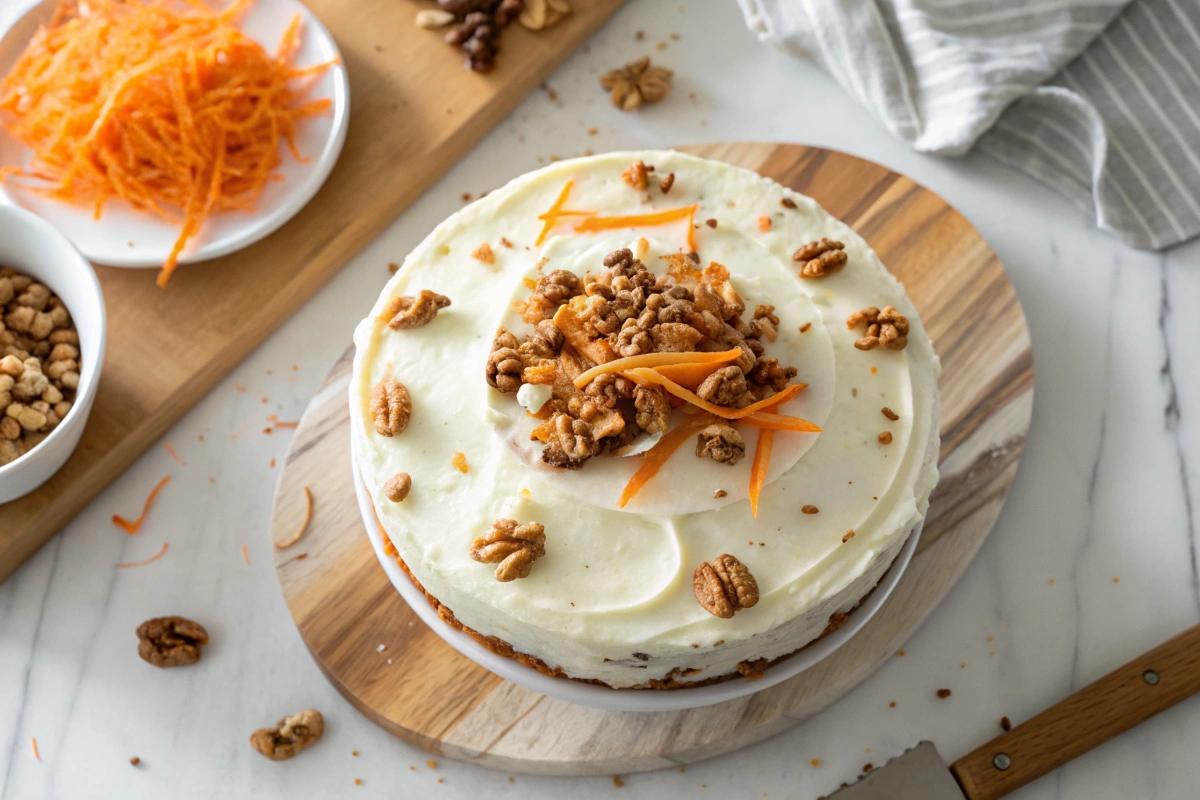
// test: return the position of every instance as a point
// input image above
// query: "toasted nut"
(391, 407)
(289, 736)
(514, 546)
(397, 487)
(724, 586)
(171, 641)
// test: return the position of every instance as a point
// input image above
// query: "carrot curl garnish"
(149, 560)
(646, 375)
(172, 110)
(759, 467)
(557, 212)
(591, 224)
(659, 362)
(295, 537)
(662, 451)
(780, 422)
(133, 527)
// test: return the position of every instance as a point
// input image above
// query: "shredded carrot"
(149, 560)
(657, 361)
(556, 212)
(640, 220)
(690, 376)
(762, 460)
(780, 422)
(133, 527)
(287, 424)
(171, 110)
(295, 537)
(246, 554)
(662, 451)
(646, 375)
(36, 754)
(569, 319)
(174, 455)
(460, 462)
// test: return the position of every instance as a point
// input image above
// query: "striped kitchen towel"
(1100, 99)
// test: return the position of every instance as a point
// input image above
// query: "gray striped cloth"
(1100, 99)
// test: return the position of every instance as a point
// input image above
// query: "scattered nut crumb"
(289, 736)
(484, 253)
(892, 704)
(135, 760)
(712, 223)
(666, 183)
(943, 693)
(892, 415)
(868, 767)
(804, 328)
(809, 509)
(787, 202)
(431, 764)
(393, 267)
(1005, 724)
(885, 437)
(719, 494)
(504, 241)
(617, 782)
(849, 535)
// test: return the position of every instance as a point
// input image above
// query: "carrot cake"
(645, 419)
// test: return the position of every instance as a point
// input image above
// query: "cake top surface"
(481, 432)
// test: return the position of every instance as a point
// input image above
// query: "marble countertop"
(1093, 560)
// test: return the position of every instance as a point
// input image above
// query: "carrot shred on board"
(174, 455)
(657, 361)
(662, 451)
(569, 320)
(133, 527)
(308, 507)
(36, 754)
(149, 560)
(780, 422)
(647, 375)
(164, 105)
(246, 554)
(641, 220)
(287, 424)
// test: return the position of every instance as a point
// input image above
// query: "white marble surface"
(1109, 488)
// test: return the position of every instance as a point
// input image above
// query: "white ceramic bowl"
(32, 246)
(587, 694)
(123, 237)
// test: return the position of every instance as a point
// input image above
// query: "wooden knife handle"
(1107, 708)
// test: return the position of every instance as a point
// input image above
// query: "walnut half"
(290, 736)
(514, 546)
(724, 586)
(171, 641)
(412, 312)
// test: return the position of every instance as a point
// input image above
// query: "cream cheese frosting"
(612, 598)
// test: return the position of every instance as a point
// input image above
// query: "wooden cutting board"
(414, 112)
(425, 692)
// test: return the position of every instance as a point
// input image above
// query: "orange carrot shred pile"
(162, 104)
(662, 451)
(174, 455)
(133, 527)
(149, 560)
(308, 507)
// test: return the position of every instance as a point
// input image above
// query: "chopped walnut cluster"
(820, 258)
(513, 545)
(289, 736)
(629, 311)
(887, 328)
(724, 585)
(39, 364)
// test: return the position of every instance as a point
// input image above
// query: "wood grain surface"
(429, 695)
(1102, 710)
(414, 113)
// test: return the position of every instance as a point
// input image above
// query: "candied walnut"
(768, 373)
(545, 341)
(675, 337)
(171, 641)
(550, 290)
(726, 387)
(391, 407)
(397, 487)
(765, 324)
(634, 338)
(610, 387)
(836, 620)
(820, 258)
(724, 586)
(514, 546)
(638, 175)
(289, 736)
(636, 83)
(571, 442)
(653, 408)
(412, 312)
(887, 328)
(722, 443)
(504, 365)
(605, 421)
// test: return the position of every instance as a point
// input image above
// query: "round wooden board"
(426, 693)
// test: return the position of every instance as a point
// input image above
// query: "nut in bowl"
(52, 338)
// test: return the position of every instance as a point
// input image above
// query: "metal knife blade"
(916, 774)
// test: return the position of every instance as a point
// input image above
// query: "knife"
(1124, 698)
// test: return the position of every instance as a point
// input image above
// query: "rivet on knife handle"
(1112, 705)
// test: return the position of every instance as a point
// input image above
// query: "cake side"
(615, 585)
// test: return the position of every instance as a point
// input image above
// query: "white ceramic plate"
(587, 694)
(123, 237)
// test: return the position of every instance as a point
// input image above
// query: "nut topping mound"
(821, 258)
(391, 407)
(722, 443)
(724, 586)
(171, 641)
(887, 328)
(514, 546)
(412, 312)
(626, 311)
(289, 736)
(636, 83)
